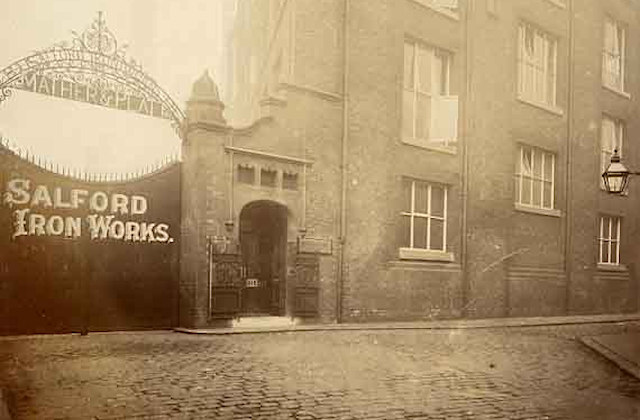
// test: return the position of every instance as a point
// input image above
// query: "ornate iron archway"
(91, 68)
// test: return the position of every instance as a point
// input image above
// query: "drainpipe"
(343, 165)
(466, 287)
(568, 266)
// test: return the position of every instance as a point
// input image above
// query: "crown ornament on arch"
(92, 67)
(97, 38)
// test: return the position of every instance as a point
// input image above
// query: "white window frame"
(606, 237)
(533, 178)
(607, 145)
(612, 59)
(537, 72)
(436, 95)
(428, 252)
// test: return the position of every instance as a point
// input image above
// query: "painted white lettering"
(161, 233)
(119, 203)
(138, 204)
(78, 197)
(57, 199)
(18, 191)
(99, 225)
(20, 223)
(116, 230)
(55, 225)
(132, 231)
(146, 232)
(36, 224)
(99, 202)
(41, 197)
(73, 227)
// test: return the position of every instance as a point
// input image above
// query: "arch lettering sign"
(92, 68)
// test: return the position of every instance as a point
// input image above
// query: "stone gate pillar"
(204, 196)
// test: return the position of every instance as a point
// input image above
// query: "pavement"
(270, 324)
(622, 349)
(521, 372)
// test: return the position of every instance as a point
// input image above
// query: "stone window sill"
(538, 210)
(451, 14)
(553, 109)
(433, 146)
(558, 3)
(617, 91)
(422, 266)
(612, 267)
(425, 255)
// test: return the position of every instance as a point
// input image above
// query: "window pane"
(614, 228)
(618, 138)
(537, 193)
(439, 80)
(406, 196)
(407, 114)
(437, 230)
(526, 191)
(548, 193)
(604, 248)
(528, 43)
(405, 234)
(437, 201)
(423, 116)
(419, 232)
(606, 233)
(537, 164)
(609, 36)
(551, 69)
(607, 134)
(614, 253)
(408, 66)
(268, 177)
(548, 167)
(424, 69)
(421, 197)
(246, 174)
(526, 161)
(289, 181)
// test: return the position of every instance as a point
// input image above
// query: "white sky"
(173, 40)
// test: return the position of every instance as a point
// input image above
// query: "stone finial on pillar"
(205, 105)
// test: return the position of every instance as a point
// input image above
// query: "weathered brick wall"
(516, 262)
(378, 285)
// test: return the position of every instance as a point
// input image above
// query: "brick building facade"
(414, 159)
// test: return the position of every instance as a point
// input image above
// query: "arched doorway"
(263, 241)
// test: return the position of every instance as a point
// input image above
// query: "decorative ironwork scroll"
(92, 68)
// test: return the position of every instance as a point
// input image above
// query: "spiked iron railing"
(83, 175)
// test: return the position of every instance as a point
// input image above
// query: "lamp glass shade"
(616, 177)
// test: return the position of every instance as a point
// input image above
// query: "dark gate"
(306, 285)
(227, 279)
(56, 277)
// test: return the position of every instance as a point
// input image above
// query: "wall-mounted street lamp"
(616, 176)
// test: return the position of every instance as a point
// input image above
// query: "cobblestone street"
(507, 373)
